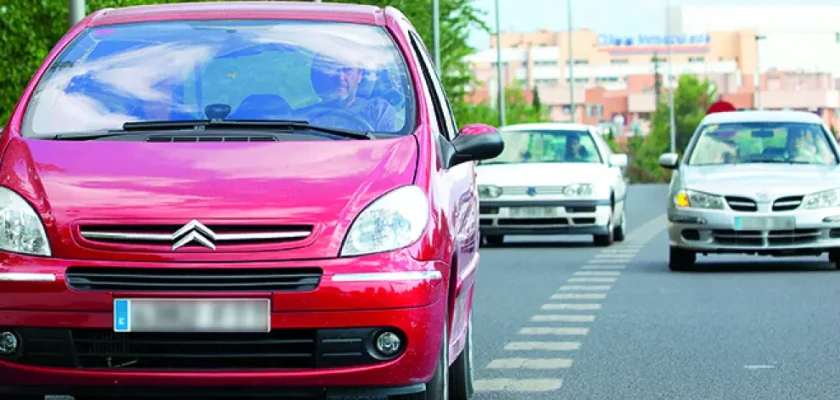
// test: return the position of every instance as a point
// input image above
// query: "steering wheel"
(354, 119)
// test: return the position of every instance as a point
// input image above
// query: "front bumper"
(565, 217)
(715, 231)
(320, 340)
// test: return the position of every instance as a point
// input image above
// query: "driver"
(574, 150)
(800, 146)
(337, 84)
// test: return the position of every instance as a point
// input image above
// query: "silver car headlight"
(21, 229)
(489, 191)
(579, 190)
(824, 199)
(395, 220)
(687, 198)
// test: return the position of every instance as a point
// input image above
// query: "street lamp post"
(436, 32)
(672, 123)
(500, 79)
(77, 11)
(572, 106)
(757, 80)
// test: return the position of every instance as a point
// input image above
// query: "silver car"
(755, 182)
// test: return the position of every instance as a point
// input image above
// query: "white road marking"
(549, 346)
(617, 266)
(603, 280)
(563, 318)
(608, 261)
(517, 385)
(759, 366)
(553, 331)
(530, 363)
(614, 255)
(585, 287)
(579, 296)
(598, 273)
(566, 306)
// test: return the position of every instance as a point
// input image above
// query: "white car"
(553, 179)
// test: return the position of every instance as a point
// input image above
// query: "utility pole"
(572, 106)
(657, 77)
(501, 83)
(757, 80)
(436, 33)
(77, 11)
(671, 88)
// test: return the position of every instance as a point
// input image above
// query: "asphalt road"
(557, 318)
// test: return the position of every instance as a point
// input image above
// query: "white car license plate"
(764, 223)
(192, 315)
(533, 212)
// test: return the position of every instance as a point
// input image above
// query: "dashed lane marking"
(540, 346)
(579, 296)
(530, 363)
(609, 261)
(598, 273)
(554, 331)
(614, 255)
(518, 385)
(617, 266)
(585, 287)
(567, 306)
(563, 318)
(597, 280)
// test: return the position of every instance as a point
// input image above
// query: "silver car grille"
(788, 203)
(523, 190)
(765, 238)
(165, 236)
(738, 203)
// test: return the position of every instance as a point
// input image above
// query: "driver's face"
(346, 81)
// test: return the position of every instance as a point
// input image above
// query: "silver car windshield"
(547, 146)
(763, 142)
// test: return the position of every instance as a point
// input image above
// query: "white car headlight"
(489, 191)
(395, 220)
(579, 190)
(21, 229)
(824, 199)
(692, 199)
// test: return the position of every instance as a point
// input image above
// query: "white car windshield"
(547, 146)
(763, 142)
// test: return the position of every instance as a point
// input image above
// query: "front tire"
(834, 258)
(681, 259)
(461, 372)
(621, 229)
(608, 238)
(495, 240)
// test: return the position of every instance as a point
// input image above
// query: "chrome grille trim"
(523, 190)
(221, 237)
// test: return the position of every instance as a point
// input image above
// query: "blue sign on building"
(653, 40)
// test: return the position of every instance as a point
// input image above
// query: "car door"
(458, 183)
(616, 174)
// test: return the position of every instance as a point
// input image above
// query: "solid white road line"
(579, 296)
(585, 287)
(563, 318)
(530, 363)
(553, 331)
(605, 280)
(547, 346)
(598, 273)
(517, 385)
(566, 306)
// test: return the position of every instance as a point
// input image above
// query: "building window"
(620, 61)
(696, 59)
(545, 63)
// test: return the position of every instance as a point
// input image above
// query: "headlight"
(579, 190)
(395, 220)
(489, 191)
(21, 229)
(691, 199)
(826, 199)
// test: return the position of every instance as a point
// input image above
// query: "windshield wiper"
(240, 124)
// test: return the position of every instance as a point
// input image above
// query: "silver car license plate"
(192, 315)
(533, 212)
(752, 223)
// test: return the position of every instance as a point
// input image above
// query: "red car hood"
(321, 185)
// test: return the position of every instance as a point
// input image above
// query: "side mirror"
(618, 160)
(669, 160)
(476, 142)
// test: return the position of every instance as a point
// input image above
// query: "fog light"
(8, 343)
(388, 343)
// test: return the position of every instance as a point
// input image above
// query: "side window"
(444, 111)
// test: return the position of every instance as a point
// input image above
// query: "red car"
(238, 198)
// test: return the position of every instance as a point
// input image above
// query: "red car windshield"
(337, 75)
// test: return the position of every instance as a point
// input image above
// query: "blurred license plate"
(192, 315)
(533, 211)
(764, 223)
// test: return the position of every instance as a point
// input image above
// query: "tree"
(691, 99)
(517, 110)
(536, 102)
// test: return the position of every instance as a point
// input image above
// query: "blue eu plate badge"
(122, 312)
(737, 223)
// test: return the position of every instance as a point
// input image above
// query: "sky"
(621, 17)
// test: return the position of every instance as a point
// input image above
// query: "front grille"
(771, 238)
(787, 203)
(532, 221)
(281, 349)
(209, 138)
(741, 203)
(165, 237)
(795, 236)
(193, 279)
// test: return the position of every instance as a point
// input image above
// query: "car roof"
(761, 116)
(339, 12)
(548, 126)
